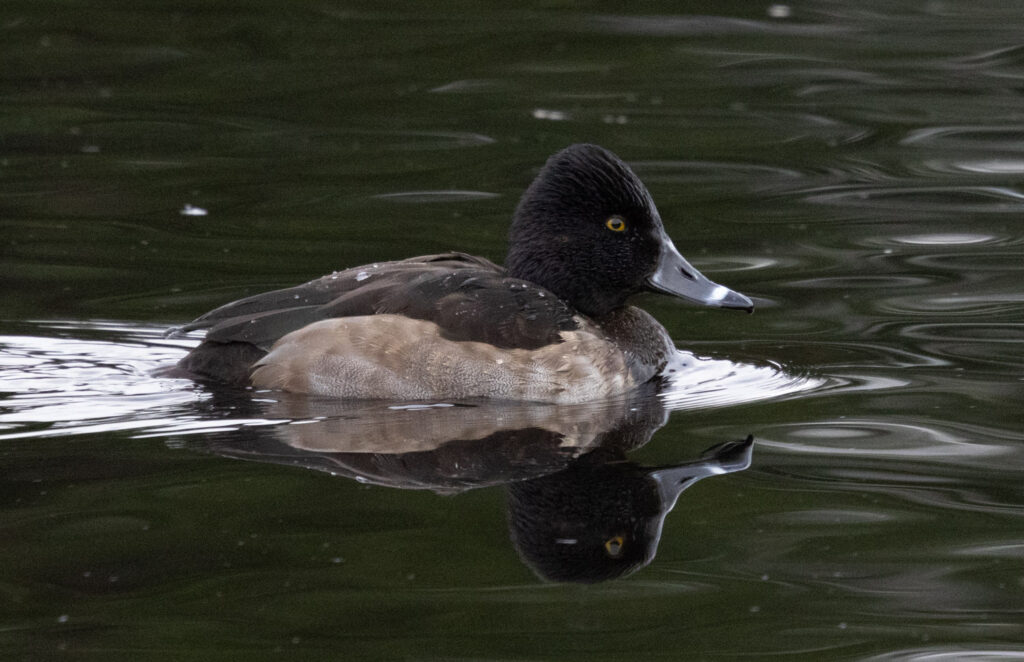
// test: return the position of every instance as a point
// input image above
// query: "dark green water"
(858, 169)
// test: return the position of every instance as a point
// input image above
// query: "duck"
(553, 325)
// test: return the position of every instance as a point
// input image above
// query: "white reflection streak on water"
(700, 383)
(63, 382)
(949, 654)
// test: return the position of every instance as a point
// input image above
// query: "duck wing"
(311, 296)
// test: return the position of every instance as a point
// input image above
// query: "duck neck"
(578, 290)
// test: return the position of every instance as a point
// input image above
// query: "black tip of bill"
(736, 301)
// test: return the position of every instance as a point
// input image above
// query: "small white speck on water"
(192, 210)
(546, 114)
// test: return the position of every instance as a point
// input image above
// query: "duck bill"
(724, 458)
(674, 275)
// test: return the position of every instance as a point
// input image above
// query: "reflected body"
(553, 325)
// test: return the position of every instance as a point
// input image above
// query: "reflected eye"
(614, 546)
(615, 224)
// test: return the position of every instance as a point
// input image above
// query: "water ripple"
(699, 172)
(974, 332)
(1012, 549)
(436, 196)
(994, 57)
(861, 282)
(884, 439)
(950, 653)
(994, 303)
(1002, 262)
(834, 517)
(973, 239)
(1000, 344)
(689, 26)
(946, 239)
(945, 199)
(1001, 138)
(976, 166)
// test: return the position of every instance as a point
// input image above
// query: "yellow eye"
(615, 224)
(614, 546)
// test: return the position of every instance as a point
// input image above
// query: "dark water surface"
(857, 168)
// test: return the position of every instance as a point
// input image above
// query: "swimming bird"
(552, 325)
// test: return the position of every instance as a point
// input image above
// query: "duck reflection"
(601, 517)
(578, 510)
